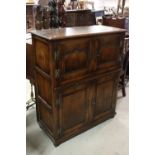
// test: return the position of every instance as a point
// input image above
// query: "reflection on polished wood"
(82, 31)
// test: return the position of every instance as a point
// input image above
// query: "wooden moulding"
(76, 78)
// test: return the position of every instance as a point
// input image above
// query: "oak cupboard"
(76, 75)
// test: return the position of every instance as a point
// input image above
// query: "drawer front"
(72, 58)
(73, 105)
(108, 49)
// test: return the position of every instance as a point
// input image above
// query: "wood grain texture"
(76, 79)
(81, 31)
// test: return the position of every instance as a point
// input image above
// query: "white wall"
(100, 4)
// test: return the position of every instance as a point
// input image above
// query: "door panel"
(43, 88)
(42, 56)
(104, 94)
(73, 58)
(70, 19)
(107, 49)
(103, 97)
(73, 107)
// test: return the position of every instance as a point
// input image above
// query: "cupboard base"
(59, 141)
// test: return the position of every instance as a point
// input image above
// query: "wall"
(100, 4)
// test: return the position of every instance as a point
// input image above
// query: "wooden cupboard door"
(72, 58)
(83, 18)
(70, 19)
(91, 19)
(107, 51)
(104, 99)
(73, 105)
(86, 18)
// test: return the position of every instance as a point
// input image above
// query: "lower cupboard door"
(104, 98)
(73, 108)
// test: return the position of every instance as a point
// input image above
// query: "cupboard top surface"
(78, 10)
(73, 32)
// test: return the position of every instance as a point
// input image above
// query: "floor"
(108, 138)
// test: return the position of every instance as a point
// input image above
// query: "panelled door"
(103, 101)
(73, 58)
(73, 108)
(107, 51)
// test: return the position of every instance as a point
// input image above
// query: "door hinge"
(57, 73)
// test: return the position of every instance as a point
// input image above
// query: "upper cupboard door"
(72, 58)
(108, 51)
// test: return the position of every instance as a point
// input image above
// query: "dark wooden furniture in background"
(61, 12)
(76, 75)
(30, 70)
(80, 18)
(29, 60)
(115, 22)
(124, 73)
(121, 23)
(30, 15)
